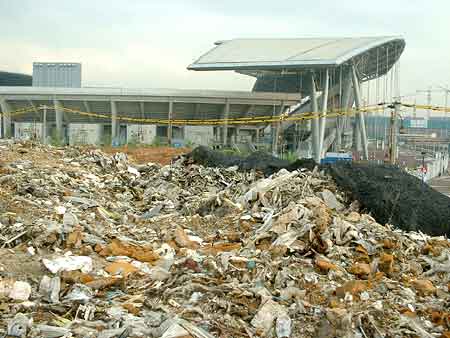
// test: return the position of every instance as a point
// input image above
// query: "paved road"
(441, 184)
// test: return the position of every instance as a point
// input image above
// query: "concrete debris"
(93, 245)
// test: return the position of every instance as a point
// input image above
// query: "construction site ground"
(154, 154)
(441, 184)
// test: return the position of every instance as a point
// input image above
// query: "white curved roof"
(273, 54)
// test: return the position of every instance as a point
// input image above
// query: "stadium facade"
(293, 77)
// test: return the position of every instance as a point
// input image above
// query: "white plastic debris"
(116, 312)
(266, 315)
(330, 200)
(265, 185)
(159, 274)
(70, 220)
(60, 210)
(167, 254)
(49, 288)
(175, 331)
(18, 326)
(69, 263)
(133, 171)
(364, 296)
(31, 251)
(111, 333)
(195, 297)
(48, 331)
(20, 291)
(283, 326)
(378, 305)
(80, 293)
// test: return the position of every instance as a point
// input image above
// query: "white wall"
(141, 133)
(435, 167)
(438, 166)
(88, 133)
(27, 130)
(199, 135)
(245, 134)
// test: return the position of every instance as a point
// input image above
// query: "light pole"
(447, 91)
(423, 167)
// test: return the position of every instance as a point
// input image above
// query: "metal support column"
(276, 134)
(44, 125)
(357, 145)
(226, 113)
(323, 119)
(315, 122)
(6, 110)
(362, 124)
(59, 114)
(169, 125)
(345, 105)
(393, 153)
(296, 143)
(114, 124)
(446, 110)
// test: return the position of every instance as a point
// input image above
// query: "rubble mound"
(391, 195)
(94, 245)
(259, 160)
(395, 197)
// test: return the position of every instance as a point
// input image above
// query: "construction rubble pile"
(93, 245)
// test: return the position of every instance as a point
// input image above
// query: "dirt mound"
(261, 161)
(395, 197)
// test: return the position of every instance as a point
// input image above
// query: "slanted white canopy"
(374, 55)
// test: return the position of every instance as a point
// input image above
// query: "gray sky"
(149, 43)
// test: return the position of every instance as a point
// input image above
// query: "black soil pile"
(261, 161)
(395, 197)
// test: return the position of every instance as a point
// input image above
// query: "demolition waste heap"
(96, 245)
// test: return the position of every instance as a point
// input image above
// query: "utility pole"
(428, 92)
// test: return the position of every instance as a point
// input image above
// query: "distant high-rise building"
(57, 74)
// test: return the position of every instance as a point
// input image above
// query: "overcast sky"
(149, 43)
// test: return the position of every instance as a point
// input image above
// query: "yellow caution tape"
(241, 120)
(427, 107)
(231, 121)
